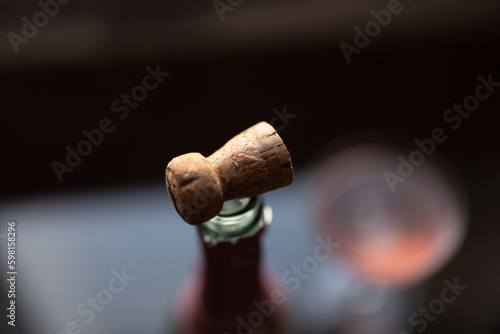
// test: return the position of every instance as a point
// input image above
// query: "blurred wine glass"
(393, 235)
(399, 234)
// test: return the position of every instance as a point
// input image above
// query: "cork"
(251, 163)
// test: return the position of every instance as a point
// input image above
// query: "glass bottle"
(231, 295)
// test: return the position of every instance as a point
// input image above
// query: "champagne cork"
(252, 163)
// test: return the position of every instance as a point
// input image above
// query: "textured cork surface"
(252, 163)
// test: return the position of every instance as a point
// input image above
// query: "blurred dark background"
(226, 76)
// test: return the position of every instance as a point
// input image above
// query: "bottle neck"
(231, 276)
(231, 282)
(238, 220)
(232, 252)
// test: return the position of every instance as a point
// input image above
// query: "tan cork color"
(252, 163)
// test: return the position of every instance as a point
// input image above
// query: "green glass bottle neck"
(239, 218)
